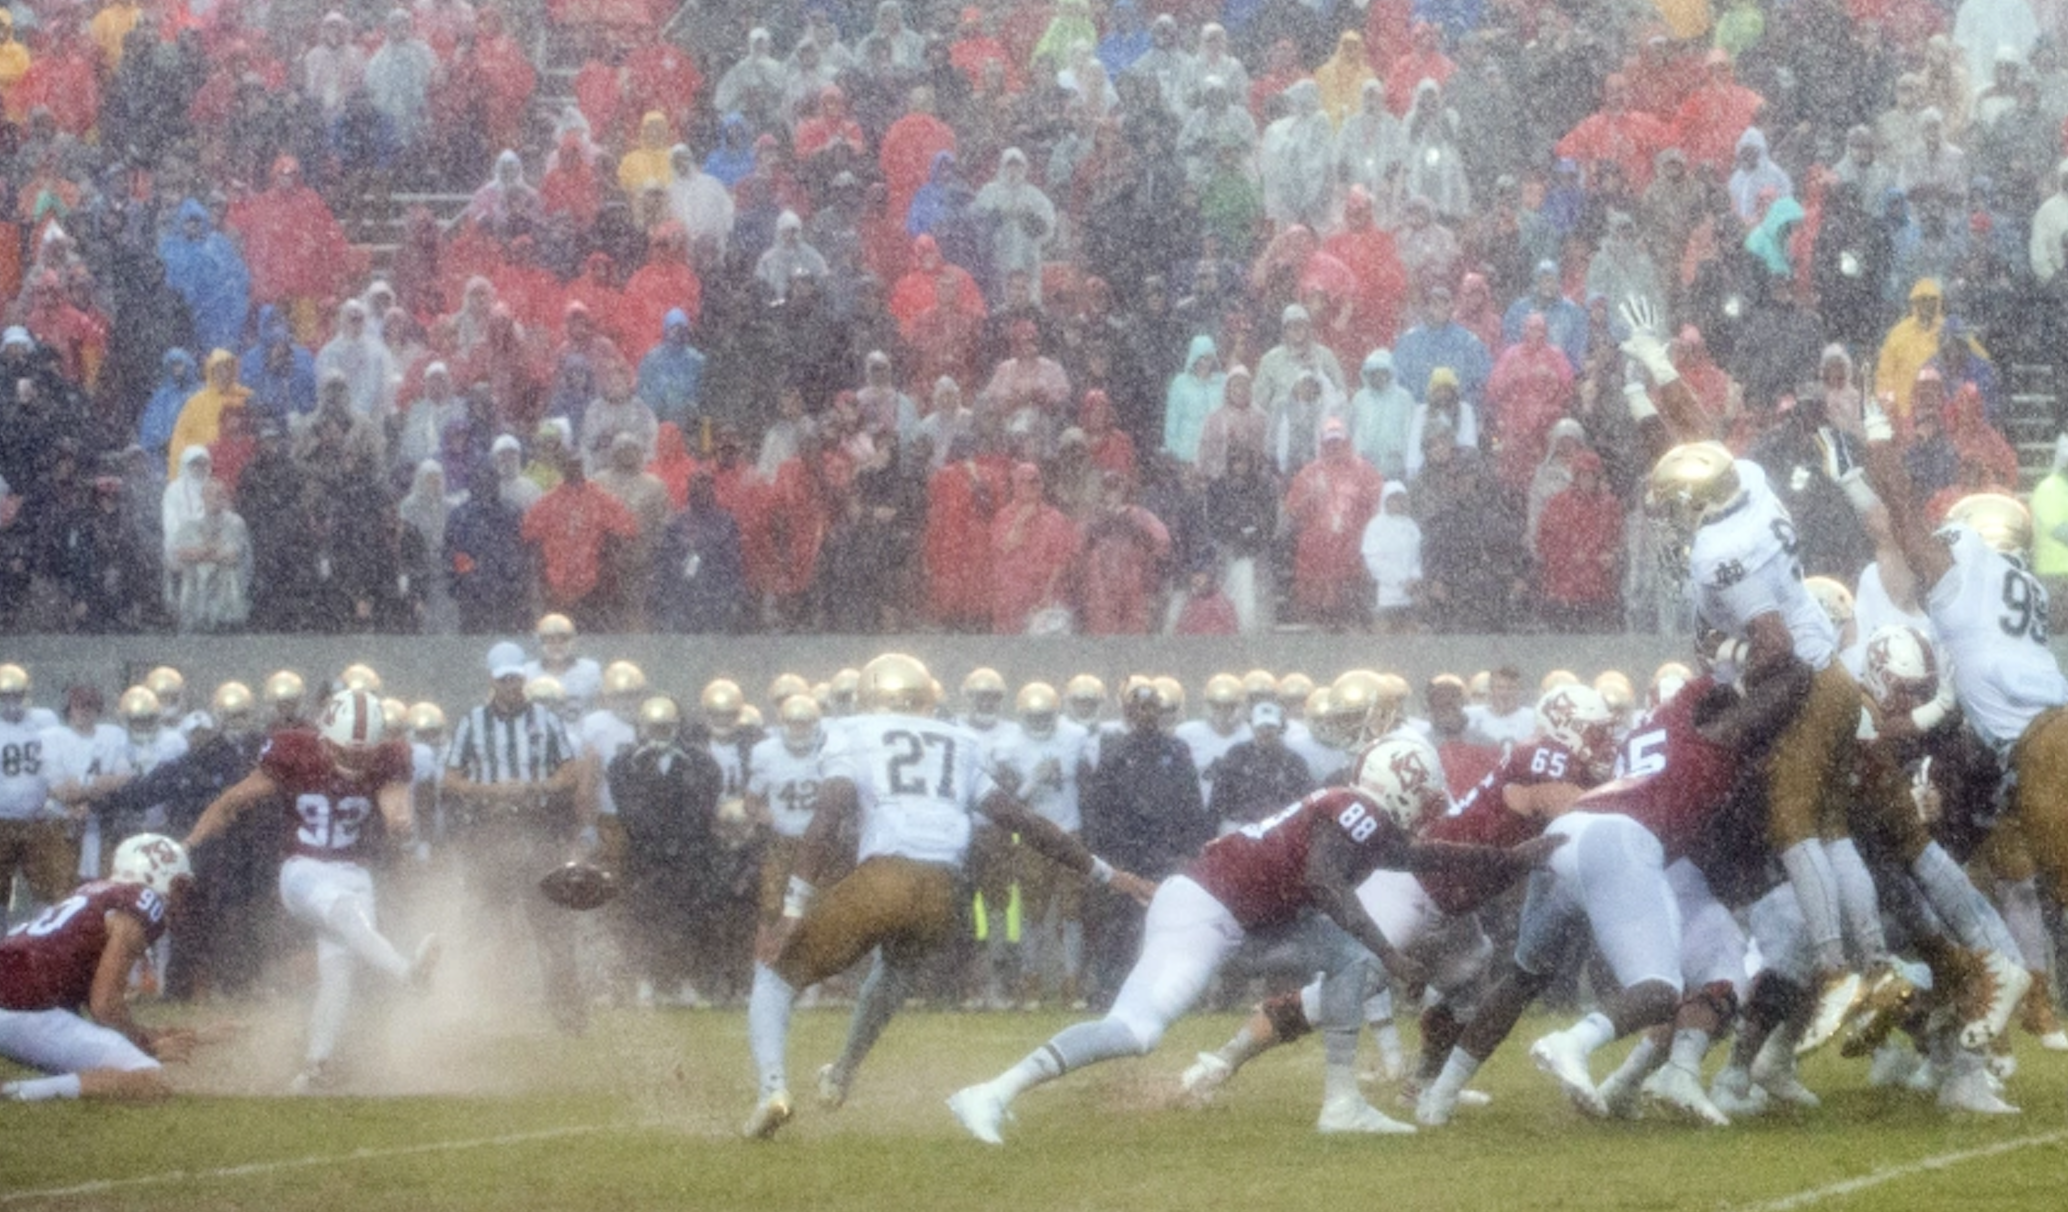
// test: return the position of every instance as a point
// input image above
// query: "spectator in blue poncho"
(181, 380)
(280, 373)
(206, 270)
(671, 375)
(1128, 41)
(940, 208)
(733, 158)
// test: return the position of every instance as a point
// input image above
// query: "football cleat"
(1773, 1070)
(2036, 1015)
(1836, 997)
(1620, 1091)
(1203, 1077)
(1733, 1093)
(770, 1114)
(317, 1077)
(832, 1087)
(1969, 1089)
(1559, 1055)
(1895, 1062)
(1681, 1089)
(1996, 992)
(424, 964)
(1884, 1002)
(1434, 1109)
(1350, 1113)
(980, 1111)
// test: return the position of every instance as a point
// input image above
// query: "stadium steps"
(2031, 422)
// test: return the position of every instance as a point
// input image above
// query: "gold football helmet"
(1355, 691)
(2003, 522)
(1259, 686)
(1037, 698)
(822, 694)
(231, 700)
(1834, 597)
(1321, 721)
(1616, 690)
(842, 690)
(1084, 696)
(1227, 690)
(394, 716)
(285, 688)
(1172, 692)
(360, 677)
(1449, 679)
(545, 688)
(623, 677)
(785, 685)
(898, 684)
(167, 683)
(750, 717)
(660, 718)
(983, 696)
(1666, 682)
(1292, 691)
(555, 627)
(427, 719)
(799, 716)
(1391, 708)
(139, 709)
(1556, 678)
(722, 705)
(1691, 482)
(1480, 687)
(14, 680)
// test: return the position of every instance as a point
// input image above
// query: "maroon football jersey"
(332, 809)
(1671, 779)
(1260, 871)
(1483, 819)
(48, 962)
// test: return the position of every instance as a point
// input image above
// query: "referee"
(511, 778)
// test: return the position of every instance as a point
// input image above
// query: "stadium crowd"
(1014, 317)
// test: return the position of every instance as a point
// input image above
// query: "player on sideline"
(915, 783)
(1289, 879)
(77, 954)
(347, 791)
(1433, 916)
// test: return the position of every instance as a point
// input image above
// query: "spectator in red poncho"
(659, 76)
(64, 79)
(296, 250)
(909, 147)
(1032, 545)
(1422, 60)
(599, 93)
(1367, 250)
(962, 498)
(1983, 460)
(829, 128)
(1708, 123)
(945, 337)
(583, 338)
(1622, 136)
(1529, 390)
(933, 278)
(807, 493)
(63, 328)
(1125, 548)
(665, 282)
(508, 77)
(1708, 381)
(533, 293)
(574, 531)
(974, 47)
(672, 463)
(240, 63)
(1108, 446)
(1328, 505)
(1579, 546)
(571, 189)
(597, 291)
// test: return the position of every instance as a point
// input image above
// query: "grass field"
(642, 1114)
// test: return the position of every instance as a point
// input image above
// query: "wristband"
(1858, 491)
(797, 897)
(1640, 402)
(1101, 870)
(1874, 422)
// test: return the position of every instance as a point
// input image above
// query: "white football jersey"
(1047, 770)
(787, 782)
(1991, 616)
(1743, 564)
(1208, 748)
(919, 782)
(1874, 609)
(727, 754)
(581, 680)
(25, 775)
(1324, 762)
(602, 735)
(1000, 737)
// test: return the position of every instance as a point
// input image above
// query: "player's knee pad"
(1287, 1015)
(1720, 998)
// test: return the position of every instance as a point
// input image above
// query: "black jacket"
(1141, 805)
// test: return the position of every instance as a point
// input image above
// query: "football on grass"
(579, 885)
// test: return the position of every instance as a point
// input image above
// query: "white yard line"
(1889, 1174)
(250, 1169)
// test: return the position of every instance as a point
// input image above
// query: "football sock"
(333, 999)
(1247, 1043)
(1974, 921)
(1457, 1071)
(41, 1089)
(1638, 1065)
(881, 994)
(1073, 1047)
(2022, 916)
(768, 1027)
(1378, 1008)
(1810, 875)
(1857, 905)
(1592, 1031)
(352, 925)
(1689, 1047)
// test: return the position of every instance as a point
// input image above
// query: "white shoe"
(980, 1111)
(2003, 1065)
(1433, 1109)
(424, 963)
(832, 1088)
(1969, 1091)
(1619, 1093)
(642, 995)
(2055, 1040)
(1474, 1098)
(2004, 984)
(1207, 1074)
(1351, 1113)
(1894, 1064)
(1558, 1055)
(1773, 1070)
(687, 997)
(1924, 1079)
(1733, 1093)
(1836, 997)
(772, 1112)
(317, 1077)
(1681, 1090)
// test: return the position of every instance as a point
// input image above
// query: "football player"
(1224, 727)
(916, 783)
(1610, 882)
(346, 787)
(782, 794)
(721, 704)
(77, 956)
(667, 798)
(598, 738)
(1746, 583)
(1432, 916)
(1042, 769)
(581, 677)
(29, 840)
(995, 960)
(1292, 880)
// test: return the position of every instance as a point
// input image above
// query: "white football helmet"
(153, 860)
(353, 722)
(1405, 777)
(1902, 670)
(1577, 717)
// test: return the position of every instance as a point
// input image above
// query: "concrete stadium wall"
(450, 669)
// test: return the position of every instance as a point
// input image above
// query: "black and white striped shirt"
(524, 748)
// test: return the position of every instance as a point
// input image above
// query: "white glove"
(1644, 345)
(1874, 421)
(1637, 394)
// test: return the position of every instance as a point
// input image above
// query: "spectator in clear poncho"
(1297, 158)
(211, 565)
(359, 357)
(1022, 221)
